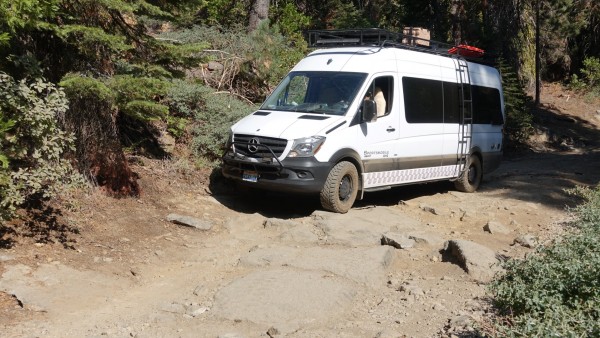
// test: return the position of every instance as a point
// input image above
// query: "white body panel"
(390, 142)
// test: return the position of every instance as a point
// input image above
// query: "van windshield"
(329, 93)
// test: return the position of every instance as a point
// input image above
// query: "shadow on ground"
(42, 223)
(569, 155)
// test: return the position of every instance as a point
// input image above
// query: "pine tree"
(518, 124)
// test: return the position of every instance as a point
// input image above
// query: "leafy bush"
(590, 76)
(556, 292)
(32, 146)
(128, 88)
(212, 114)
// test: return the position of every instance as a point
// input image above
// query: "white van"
(368, 113)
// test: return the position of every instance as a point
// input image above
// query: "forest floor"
(277, 266)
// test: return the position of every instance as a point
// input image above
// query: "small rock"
(387, 334)
(134, 272)
(464, 215)
(36, 308)
(195, 310)
(272, 332)
(412, 290)
(213, 65)
(6, 258)
(280, 223)
(438, 307)
(319, 215)
(231, 335)
(426, 238)
(494, 227)
(528, 241)
(428, 208)
(393, 283)
(189, 221)
(398, 241)
(198, 290)
(460, 321)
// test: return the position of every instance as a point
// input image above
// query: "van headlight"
(306, 146)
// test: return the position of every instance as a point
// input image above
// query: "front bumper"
(296, 175)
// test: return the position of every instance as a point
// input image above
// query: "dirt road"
(273, 265)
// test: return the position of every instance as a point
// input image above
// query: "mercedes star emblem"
(253, 145)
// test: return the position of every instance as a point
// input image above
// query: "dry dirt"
(276, 265)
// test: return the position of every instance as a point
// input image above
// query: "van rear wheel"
(340, 189)
(470, 180)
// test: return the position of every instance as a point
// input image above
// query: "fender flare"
(348, 154)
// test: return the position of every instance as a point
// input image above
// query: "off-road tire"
(340, 189)
(470, 180)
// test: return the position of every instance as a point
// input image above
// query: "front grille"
(260, 143)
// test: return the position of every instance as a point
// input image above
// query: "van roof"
(367, 39)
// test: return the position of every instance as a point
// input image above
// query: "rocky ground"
(413, 261)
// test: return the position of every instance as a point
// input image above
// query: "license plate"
(250, 176)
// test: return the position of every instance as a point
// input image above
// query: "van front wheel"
(470, 180)
(340, 189)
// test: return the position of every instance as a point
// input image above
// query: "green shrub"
(32, 144)
(129, 88)
(270, 58)
(556, 292)
(590, 76)
(140, 97)
(252, 63)
(212, 114)
(5, 126)
(519, 119)
(591, 71)
(187, 99)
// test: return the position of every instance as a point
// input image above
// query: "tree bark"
(258, 13)
(455, 14)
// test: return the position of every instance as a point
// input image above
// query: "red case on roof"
(466, 50)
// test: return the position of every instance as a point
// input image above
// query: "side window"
(451, 103)
(423, 100)
(381, 90)
(486, 105)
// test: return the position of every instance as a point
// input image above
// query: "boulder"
(494, 227)
(397, 240)
(528, 241)
(477, 260)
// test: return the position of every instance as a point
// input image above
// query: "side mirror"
(369, 111)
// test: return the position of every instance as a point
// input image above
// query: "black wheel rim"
(472, 174)
(345, 188)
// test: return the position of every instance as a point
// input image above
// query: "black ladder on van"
(465, 132)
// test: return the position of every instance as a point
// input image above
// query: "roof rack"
(376, 37)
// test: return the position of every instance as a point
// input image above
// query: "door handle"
(390, 129)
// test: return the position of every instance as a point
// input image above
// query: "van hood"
(283, 124)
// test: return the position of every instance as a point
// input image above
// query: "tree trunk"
(456, 9)
(258, 13)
